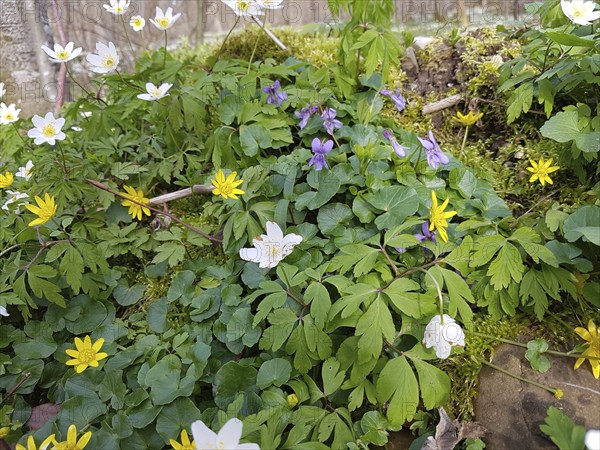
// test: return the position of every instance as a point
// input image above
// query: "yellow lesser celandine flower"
(185, 442)
(558, 393)
(541, 170)
(592, 336)
(226, 187)
(4, 432)
(6, 179)
(437, 217)
(45, 210)
(292, 400)
(72, 443)
(468, 119)
(31, 443)
(86, 355)
(135, 210)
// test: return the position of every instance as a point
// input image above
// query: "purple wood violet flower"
(426, 234)
(275, 97)
(320, 149)
(329, 121)
(395, 145)
(435, 156)
(395, 97)
(305, 113)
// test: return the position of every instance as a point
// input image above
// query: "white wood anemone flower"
(164, 20)
(137, 23)
(580, 12)
(227, 438)
(107, 59)
(14, 196)
(25, 172)
(117, 7)
(270, 4)
(271, 248)
(442, 334)
(47, 129)
(62, 54)
(244, 8)
(154, 92)
(4, 312)
(8, 114)
(2, 90)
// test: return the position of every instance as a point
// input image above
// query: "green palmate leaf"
(282, 322)
(459, 294)
(374, 426)
(546, 93)
(254, 137)
(165, 382)
(320, 303)
(232, 379)
(520, 101)
(333, 218)
(433, 382)
(534, 352)
(485, 249)
(274, 372)
(397, 202)
(403, 297)
(176, 417)
(375, 325)
(398, 385)
(563, 431)
(333, 377)
(353, 297)
(583, 223)
(128, 295)
(172, 252)
(564, 127)
(460, 257)
(506, 266)
(533, 290)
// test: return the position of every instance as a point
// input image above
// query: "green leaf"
(402, 295)
(533, 287)
(176, 417)
(520, 101)
(333, 377)
(570, 40)
(397, 202)
(459, 294)
(365, 39)
(164, 380)
(172, 252)
(374, 325)
(333, 218)
(434, 384)
(232, 379)
(485, 249)
(128, 295)
(583, 223)
(464, 181)
(563, 431)
(398, 385)
(320, 303)
(71, 266)
(254, 137)
(506, 266)
(535, 348)
(274, 372)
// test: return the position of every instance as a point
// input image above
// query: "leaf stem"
(255, 47)
(223, 44)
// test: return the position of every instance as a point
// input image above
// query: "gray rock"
(512, 410)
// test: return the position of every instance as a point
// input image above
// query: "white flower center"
(155, 92)
(48, 130)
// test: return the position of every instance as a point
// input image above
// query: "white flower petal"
(204, 437)
(229, 436)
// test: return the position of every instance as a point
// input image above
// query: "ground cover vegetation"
(286, 249)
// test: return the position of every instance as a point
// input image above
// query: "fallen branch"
(183, 193)
(447, 102)
(157, 211)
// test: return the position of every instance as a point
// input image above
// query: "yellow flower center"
(87, 356)
(108, 61)
(163, 22)
(119, 9)
(49, 130)
(9, 116)
(156, 92)
(578, 11)
(243, 6)
(62, 54)
(137, 22)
